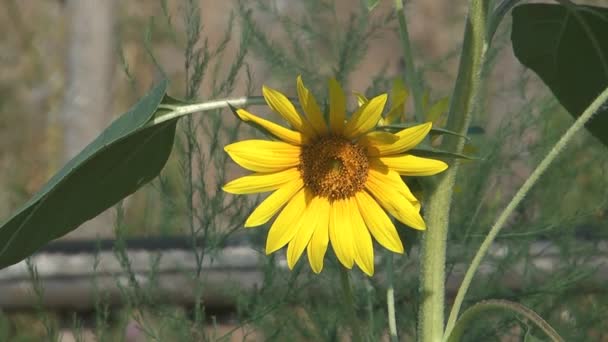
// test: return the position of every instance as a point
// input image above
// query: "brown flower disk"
(333, 167)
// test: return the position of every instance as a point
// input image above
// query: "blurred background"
(69, 67)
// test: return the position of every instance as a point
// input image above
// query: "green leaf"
(434, 130)
(433, 152)
(566, 47)
(438, 109)
(125, 156)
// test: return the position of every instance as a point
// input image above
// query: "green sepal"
(434, 130)
(424, 151)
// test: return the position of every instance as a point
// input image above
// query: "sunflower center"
(333, 167)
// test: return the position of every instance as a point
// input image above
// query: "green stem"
(432, 263)
(519, 196)
(411, 73)
(482, 307)
(499, 13)
(465, 100)
(176, 111)
(390, 300)
(350, 304)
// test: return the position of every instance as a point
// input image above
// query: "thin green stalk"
(499, 13)
(176, 111)
(464, 103)
(482, 307)
(519, 196)
(411, 73)
(390, 300)
(350, 305)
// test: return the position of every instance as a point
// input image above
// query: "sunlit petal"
(263, 155)
(340, 233)
(320, 238)
(261, 182)
(307, 226)
(386, 178)
(378, 222)
(337, 107)
(282, 106)
(287, 135)
(378, 137)
(361, 99)
(366, 117)
(396, 203)
(409, 165)
(311, 108)
(408, 139)
(286, 225)
(364, 255)
(275, 201)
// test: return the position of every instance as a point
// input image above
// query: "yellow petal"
(366, 117)
(399, 93)
(261, 182)
(378, 137)
(282, 106)
(273, 203)
(278, 131)
(361, 99)
(378, 223)
(340, 233)
(408, 139)
(307, 226)
(395, 203)
(363, 241)
(389, 179)
(337, 107)
(416, 205)
(408, 165)
(311, 108)
(320, 238)
(399, 96)
(264, 155)
(285, 227)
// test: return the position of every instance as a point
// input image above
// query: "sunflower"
(334, 181)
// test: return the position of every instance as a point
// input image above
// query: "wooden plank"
(74, 280)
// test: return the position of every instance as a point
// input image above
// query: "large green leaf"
(568, 48)
(120, 160)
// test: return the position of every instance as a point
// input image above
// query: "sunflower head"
(332, 182)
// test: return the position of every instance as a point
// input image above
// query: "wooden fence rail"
(73, 277)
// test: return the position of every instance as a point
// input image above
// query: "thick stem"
(519, 196)
(432, 262)
(463, 104)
